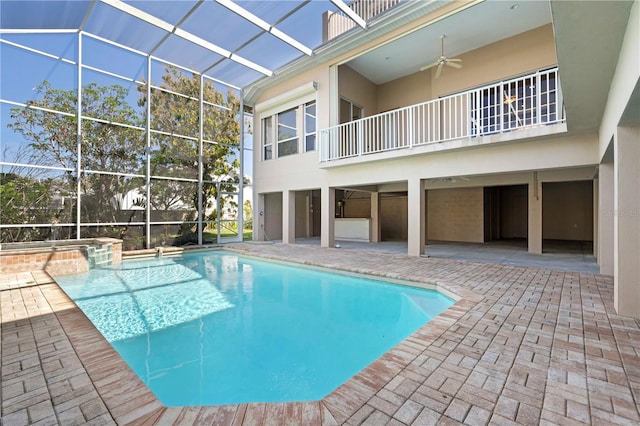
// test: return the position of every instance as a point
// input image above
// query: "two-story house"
(463, 121)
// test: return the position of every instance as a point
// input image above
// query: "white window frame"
(297, 98)
(306, 132)
(280, 124)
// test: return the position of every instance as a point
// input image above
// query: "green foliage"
(28, 200)
(178, 157)
(52, 140)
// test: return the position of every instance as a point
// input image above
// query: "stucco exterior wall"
(357, 89)
(455, 214)
(527, 52)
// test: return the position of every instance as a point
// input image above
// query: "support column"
(605, 218)
(288, 217)
(626, 221)
(375, 217)
(416, 220)
(596, 198)
(258, 221)
(534, 235)
(327, 217)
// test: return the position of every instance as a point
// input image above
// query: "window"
(267, 138)
(287, 133)
(288, 122)
(349, 111)
(293, 131)
(515, 103)
(310, 126)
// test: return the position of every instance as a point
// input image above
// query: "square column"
(626, 221)
(258, 221)
(416, 218)
(534, 234)
(327, 217)
(375, 217)
(605, 218)
(289, 217)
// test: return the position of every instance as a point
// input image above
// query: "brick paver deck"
(521, 346)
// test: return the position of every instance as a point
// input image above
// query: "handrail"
(524, 102)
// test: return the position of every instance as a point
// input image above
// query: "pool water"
(214, 327)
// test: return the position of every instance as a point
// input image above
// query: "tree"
(176, 156)
(115, 143)
(104, 146)
(24, 200)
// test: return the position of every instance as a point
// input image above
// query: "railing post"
(501, 103)
(360, 136)
(468, 112)
(538, 119)
(559, 100)
(412, 131)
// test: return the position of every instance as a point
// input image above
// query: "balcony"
(530, 102)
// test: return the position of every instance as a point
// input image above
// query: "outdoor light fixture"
(179, 32)
(350, 13)
(244, 13)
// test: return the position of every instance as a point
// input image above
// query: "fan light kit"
(442, 60)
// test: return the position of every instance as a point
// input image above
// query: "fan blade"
(439, 69)
(453, 64)
(454, 60)
(429, 66)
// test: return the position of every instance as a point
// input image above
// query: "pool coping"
(128, 399)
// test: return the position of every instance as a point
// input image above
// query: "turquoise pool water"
(214, 327)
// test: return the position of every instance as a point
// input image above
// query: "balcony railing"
(530, 101)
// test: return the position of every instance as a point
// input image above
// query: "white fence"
(529, 101)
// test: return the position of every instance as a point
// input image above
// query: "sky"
(21, 71)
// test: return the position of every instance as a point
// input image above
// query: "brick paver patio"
(521, 346)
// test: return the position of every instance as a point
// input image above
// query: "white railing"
(339, 23)
(524, 102)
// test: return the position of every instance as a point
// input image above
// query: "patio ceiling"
(237, 42)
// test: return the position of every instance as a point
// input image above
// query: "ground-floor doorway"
(506, 213)
(308, 210)
(567, 215)
(393, 216)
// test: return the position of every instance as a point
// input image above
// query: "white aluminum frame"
(79, 170)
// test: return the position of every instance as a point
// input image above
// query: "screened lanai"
(126, 119)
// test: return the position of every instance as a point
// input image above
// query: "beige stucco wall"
(455, 214)
(524, 53)
(410, 90)
(357, 89)
(625, 80)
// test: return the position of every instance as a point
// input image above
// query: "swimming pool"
(214, 327)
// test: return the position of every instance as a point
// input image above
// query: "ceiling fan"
(442, 60)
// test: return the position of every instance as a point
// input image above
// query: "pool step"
(100, 256)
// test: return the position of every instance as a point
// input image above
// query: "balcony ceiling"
(588, 38)
(474, 27)
(588, 42)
